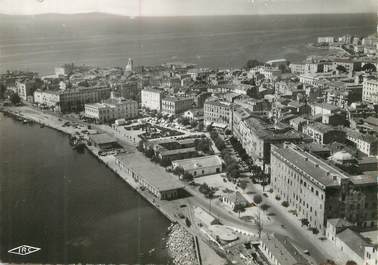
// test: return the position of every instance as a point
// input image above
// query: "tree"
(213, 135)
(341, 68)
(264, 207)
(179, 171)
(219, 143)
(193, 123)
(209, 128)
(285, 204)
(350, 262)
(305, 222)
(257, 199)
(15, 98)
(165, 162)
(149, 153)
(187, 176)
(3, 88)
(202, 144)
(369, 68)
(200, 126)
(239, 208)
(259, 223)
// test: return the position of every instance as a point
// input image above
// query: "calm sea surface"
(69, 204)
(42, 42)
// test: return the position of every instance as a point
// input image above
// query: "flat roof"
(199, 162)
(283, 250)
(315, 167)
(368, 179)
(151, 173)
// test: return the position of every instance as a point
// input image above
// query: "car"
(181, 215)
(266, 195)
(306, 252)
(183, 205)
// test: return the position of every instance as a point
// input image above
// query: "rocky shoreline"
(180, 246)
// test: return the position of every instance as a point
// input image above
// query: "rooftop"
(283, 250)
(353, 240)
(199, 162)
(314, 167)
(339, 222)
(148, 89)
(320, 127)
(151, 173)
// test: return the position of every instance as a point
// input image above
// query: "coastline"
(53, 122)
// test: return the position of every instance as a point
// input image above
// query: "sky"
(186, 7)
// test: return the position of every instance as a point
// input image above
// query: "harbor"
(78, 138)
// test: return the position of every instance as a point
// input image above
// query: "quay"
(128, 175)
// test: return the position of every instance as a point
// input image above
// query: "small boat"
(42, 125)
(79, 147)
(151, 250)
(25, 121)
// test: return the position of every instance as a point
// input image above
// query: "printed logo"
(23, 250)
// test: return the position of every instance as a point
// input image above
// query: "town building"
(112, 109)
(176, 105)
(279, 250)
(104, 142)
(235, 199)
(217, 112)
(324, 134)
(366, 143)
(335, 226)
(258, 136)
(151, 98)
(349, 65)
(200, 166)
(157, 181)
(25, 89)
(194, 114)
(352, 244)
(370, 90)
(298, 69)
(319, 191)
(70, 100)
(322, 109)
(328, 39)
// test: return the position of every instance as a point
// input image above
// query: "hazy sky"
(186, 7)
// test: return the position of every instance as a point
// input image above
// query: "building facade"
(151, 98)
(217, 112)
(370, 90)
(174, 105)
(71, 100)
(319, 191)
(112, 109)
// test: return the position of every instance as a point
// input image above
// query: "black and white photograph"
(189, 132)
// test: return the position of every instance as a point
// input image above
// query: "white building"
(112, 109)
(370, 90)
(328, 39)
(151, 99)
(200, 166)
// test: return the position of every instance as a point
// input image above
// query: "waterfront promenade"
(168, 208)
(171, 209)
